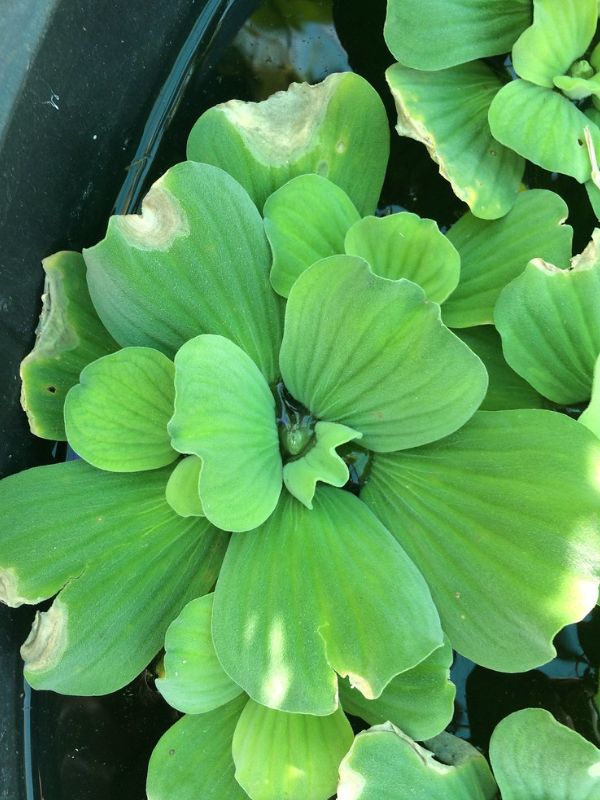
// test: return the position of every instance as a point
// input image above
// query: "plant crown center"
(295, 423)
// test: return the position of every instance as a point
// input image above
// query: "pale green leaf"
(405, 246)
(194, 680)
(420, 700)
(560, 34)
(116, 416)
(495, 252)
(69, 335)
(373, 354)
(545, 127)
(591, 416)
(434, 34)
(578, 88)
(292, 756)
(287, 612)
(534, 757)
(305, 220)
(548, 320)
(477, 509)
(320, 463)
(127, 562)
(448, 112)
(196, 261)
(337, 129)
(225, 414)
(193, 761)
(182, 491)
(507, 390)
(386, 764)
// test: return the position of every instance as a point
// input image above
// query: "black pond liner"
(97, 102)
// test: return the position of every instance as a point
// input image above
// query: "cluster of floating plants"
(319, 449)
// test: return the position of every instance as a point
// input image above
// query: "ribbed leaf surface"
(447, 111)
(127, 562)
(291, 756)
(287, 612)
(195, 261)
(477, 509)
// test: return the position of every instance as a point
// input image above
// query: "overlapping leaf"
(305, 220)
(225, 414)
(386, 764)
(373, 354)
(337, 129)
(177, 271)
(536, 758)
(69, 336)
(116, 416)
(294, 756)
(193, 679)
(434, 34)
(193, 758)
(475, 511)
(405, 246)
(127, 562)
(287, 612)
(447, 110)
(544, 127)
(420, 700)
(320, 463)
(494, 252)
(560, 34)
(548, 320)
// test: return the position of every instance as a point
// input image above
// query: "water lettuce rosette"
(217, 446)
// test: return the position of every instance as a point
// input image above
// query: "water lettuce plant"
(282, 453)
(479, 117)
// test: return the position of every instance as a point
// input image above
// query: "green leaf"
(507, 390)
(560, 34)
(373, 354)
(578, 88)
(434, 34)
(123, 562)
(182, 491)
(420, 700)
(591, 416)
(337, 129)
(548, 319)
(287, 613)
(116, 417)
(386, 764)
(295, 756)
(495, 252)
(319, 463)
(477, 509)
(193, 758)
(405, 246)
(196, 261)
(447, 111)
(544, 127)
(305, 220)
(69, 335)
(194, 681)
(225, 414)
(536, 758)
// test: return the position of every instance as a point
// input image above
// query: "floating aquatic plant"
(289, 417)
(480, 118)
